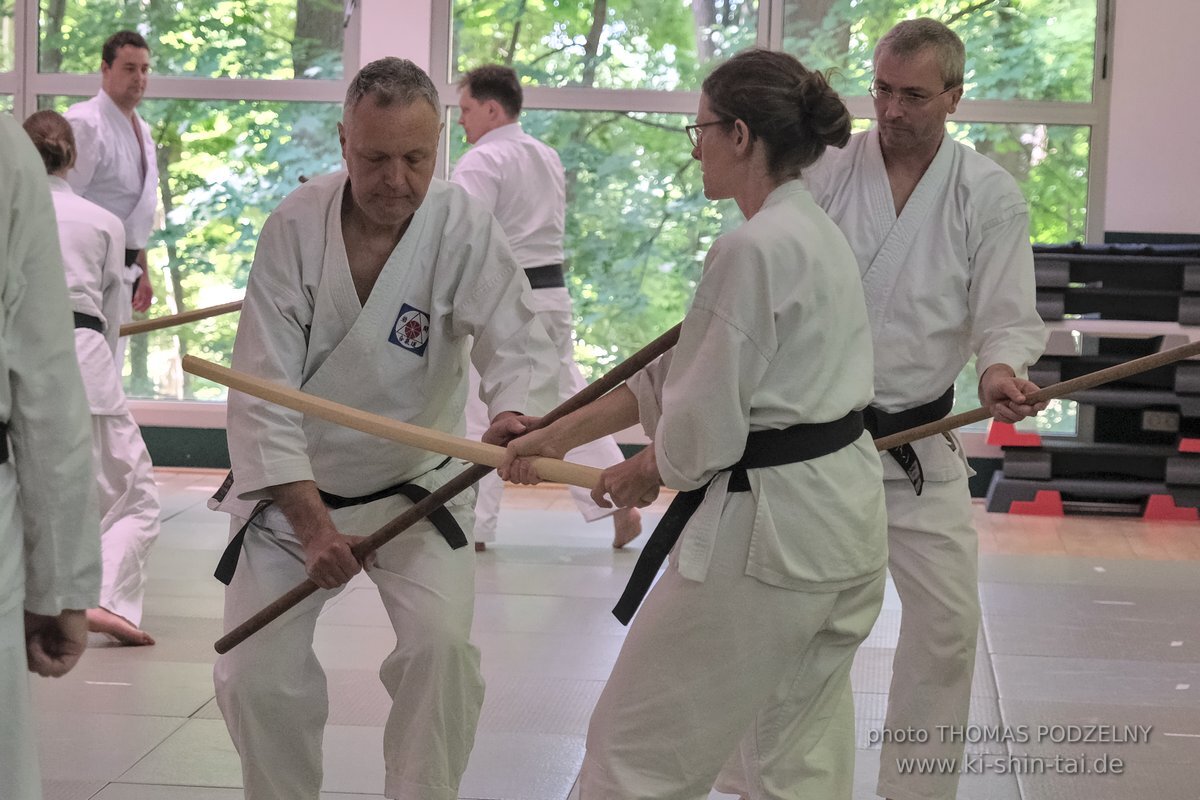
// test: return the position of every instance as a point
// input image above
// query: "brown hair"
(53, 138)
(108, 53)
(791, 108)
(495, 82)
(913, 36)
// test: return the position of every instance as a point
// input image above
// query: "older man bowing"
(365, 289)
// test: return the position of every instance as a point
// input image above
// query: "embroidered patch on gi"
(411, 330)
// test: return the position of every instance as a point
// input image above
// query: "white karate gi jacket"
(108, 165)
(93, 248)
(49, 541)
(403, 354)
(520, 179)
(777, 335)
(952, 276)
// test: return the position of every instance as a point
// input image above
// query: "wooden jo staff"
(145, 325)
(454, 486)
(1080, 384)
(551, 469)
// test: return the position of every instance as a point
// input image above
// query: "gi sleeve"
(49, 424)
(88, 145)
(718, 363)
(111, 283)
(267, 444)
(480, 183)
(1005, 326)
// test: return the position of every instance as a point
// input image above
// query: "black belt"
(770, 448)
(882, 423)
(441, 518)
(131, 256)
(89, 322)
(547, 277)
(3, 442)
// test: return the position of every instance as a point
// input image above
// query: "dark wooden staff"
(460, 483)
(1080, 384)
(145, 325)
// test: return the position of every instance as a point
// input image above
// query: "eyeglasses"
(696, 132)
(906, 100)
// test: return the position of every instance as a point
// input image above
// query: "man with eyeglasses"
(941, 234)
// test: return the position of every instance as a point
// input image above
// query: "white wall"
(1154, 144)
(395, 28)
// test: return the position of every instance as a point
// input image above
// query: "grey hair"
(912, 36)
(392, 81)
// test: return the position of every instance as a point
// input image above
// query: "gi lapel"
(881, 277)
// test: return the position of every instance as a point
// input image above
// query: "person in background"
(520, 180)
(115, 164)
(93, 249)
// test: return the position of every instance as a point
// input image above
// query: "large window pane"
(223, 166)
(638, 225)
(635, 44)
(1050, 162)
(1016, 49)
(225, 38)
(7, 36)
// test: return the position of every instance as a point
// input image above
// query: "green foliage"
(1016, 50)
(641, 44)
(638, 225)
(226, 164)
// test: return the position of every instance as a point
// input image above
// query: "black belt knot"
(769, 448)
(3, 442)
(883, 423)
(89, 322)
(442, 519)
(547, 277)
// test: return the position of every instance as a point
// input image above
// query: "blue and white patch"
(411, 330)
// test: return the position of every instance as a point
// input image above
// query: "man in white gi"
(93, 251)
(368, 287)
(941, 234)
(116, 166)
(520, 180)
(49, 547)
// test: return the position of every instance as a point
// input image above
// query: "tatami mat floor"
(1087, 622)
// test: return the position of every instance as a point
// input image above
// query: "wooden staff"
(467, 478)
(551, 469)
(1080, 384)
(145, 325)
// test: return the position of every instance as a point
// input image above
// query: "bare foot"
(101, 620)
(627, 525)
(480, 547)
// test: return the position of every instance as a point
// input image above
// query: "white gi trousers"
(18, 753)
(129, 509)
(934, 560)
(553, 309)
(708, 665)
(272, 690)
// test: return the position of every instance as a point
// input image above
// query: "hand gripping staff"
(145, 325)
(463, 481)
(1055, 391)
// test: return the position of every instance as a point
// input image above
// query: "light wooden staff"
(145, 325)
(1080, 384)
(463, 481)
(550, 469)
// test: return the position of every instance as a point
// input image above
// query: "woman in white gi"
(748, 638)
(93, 248)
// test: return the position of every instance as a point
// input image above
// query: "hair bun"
(822, 111)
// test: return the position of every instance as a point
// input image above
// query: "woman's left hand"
(632, 483)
